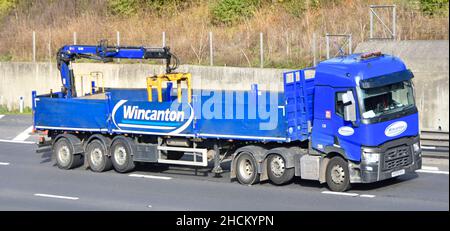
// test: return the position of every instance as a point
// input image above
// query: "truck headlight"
(371, 157)
(416, 147)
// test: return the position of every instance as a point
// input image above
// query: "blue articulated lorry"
(350, 119)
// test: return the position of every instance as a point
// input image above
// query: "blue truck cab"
(364, 110)
(353, 121)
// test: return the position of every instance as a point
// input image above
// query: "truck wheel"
(337, 175)
(277, 171)
(246, 169)
(65, 159)
(97, 158)
(121, 157)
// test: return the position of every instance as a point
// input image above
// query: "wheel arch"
(75, 142)
(106, 142)
(326, 159)
(129, 142)
(256, 151)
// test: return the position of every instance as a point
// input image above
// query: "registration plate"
(398, 173)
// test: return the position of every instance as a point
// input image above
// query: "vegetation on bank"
(287, 25)
(5, 111)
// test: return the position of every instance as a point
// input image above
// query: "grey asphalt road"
(31, 181)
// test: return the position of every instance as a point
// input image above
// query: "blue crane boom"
(103, 52)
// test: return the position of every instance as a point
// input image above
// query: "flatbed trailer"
(316, 128)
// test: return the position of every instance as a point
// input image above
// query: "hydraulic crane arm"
(105, 53)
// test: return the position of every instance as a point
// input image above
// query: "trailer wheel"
(337, 175)
(65, 159)
(246, 169)
(121, 157)
(97, 158)
(277, 171)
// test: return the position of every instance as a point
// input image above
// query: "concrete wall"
(19, 79)
(428, 60)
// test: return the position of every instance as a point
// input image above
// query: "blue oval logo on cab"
(395, 129)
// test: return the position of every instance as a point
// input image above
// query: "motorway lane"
(24, 173)
(29, 173)
(12, 125)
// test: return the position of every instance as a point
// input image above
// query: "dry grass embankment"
(287, 38)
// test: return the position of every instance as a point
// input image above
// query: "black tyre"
(277, 171)
(63, 152)
(97, 158)
(246, 169)
(337, 175)
(121, 156)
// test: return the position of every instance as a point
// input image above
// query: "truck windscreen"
(385, 100)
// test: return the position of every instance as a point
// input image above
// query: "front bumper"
(397, 157)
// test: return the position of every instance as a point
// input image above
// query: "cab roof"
(347, 71)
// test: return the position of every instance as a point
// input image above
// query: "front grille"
(397, 157)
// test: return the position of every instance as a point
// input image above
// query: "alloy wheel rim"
(120, 154)
(337, 174)
(97, 156)
(277, 166)
(64, 155)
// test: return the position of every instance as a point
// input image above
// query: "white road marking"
(151, 177)
(149, 206)
(430, 168)
(348, 194)
(341, 193)
(17, 141)
(4, 163)
(1, 116)
(55, 196)
(24, 135)
(367, 195)
(430, 171)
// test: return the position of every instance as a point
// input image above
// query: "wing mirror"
(349, 106)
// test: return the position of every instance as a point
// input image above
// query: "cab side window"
(339, 104)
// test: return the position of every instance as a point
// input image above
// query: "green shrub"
(6, 6)
(433, 7)
(229, 12)
(160, 7)
(166, 7)
(5, 57)
(123, 7)
(295, 7)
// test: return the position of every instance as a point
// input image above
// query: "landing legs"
(217, 170)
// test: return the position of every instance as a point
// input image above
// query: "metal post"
(50, 50)
(261, 49)
(394, 16)
(34, 46)
(163, 38)
(74, 38)
(118, 38)
(287, 43)
(211, 54)
(371, 22)
(327, 38)
(350, 48)
(314, 49)
(118, 42)
(21, 104)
